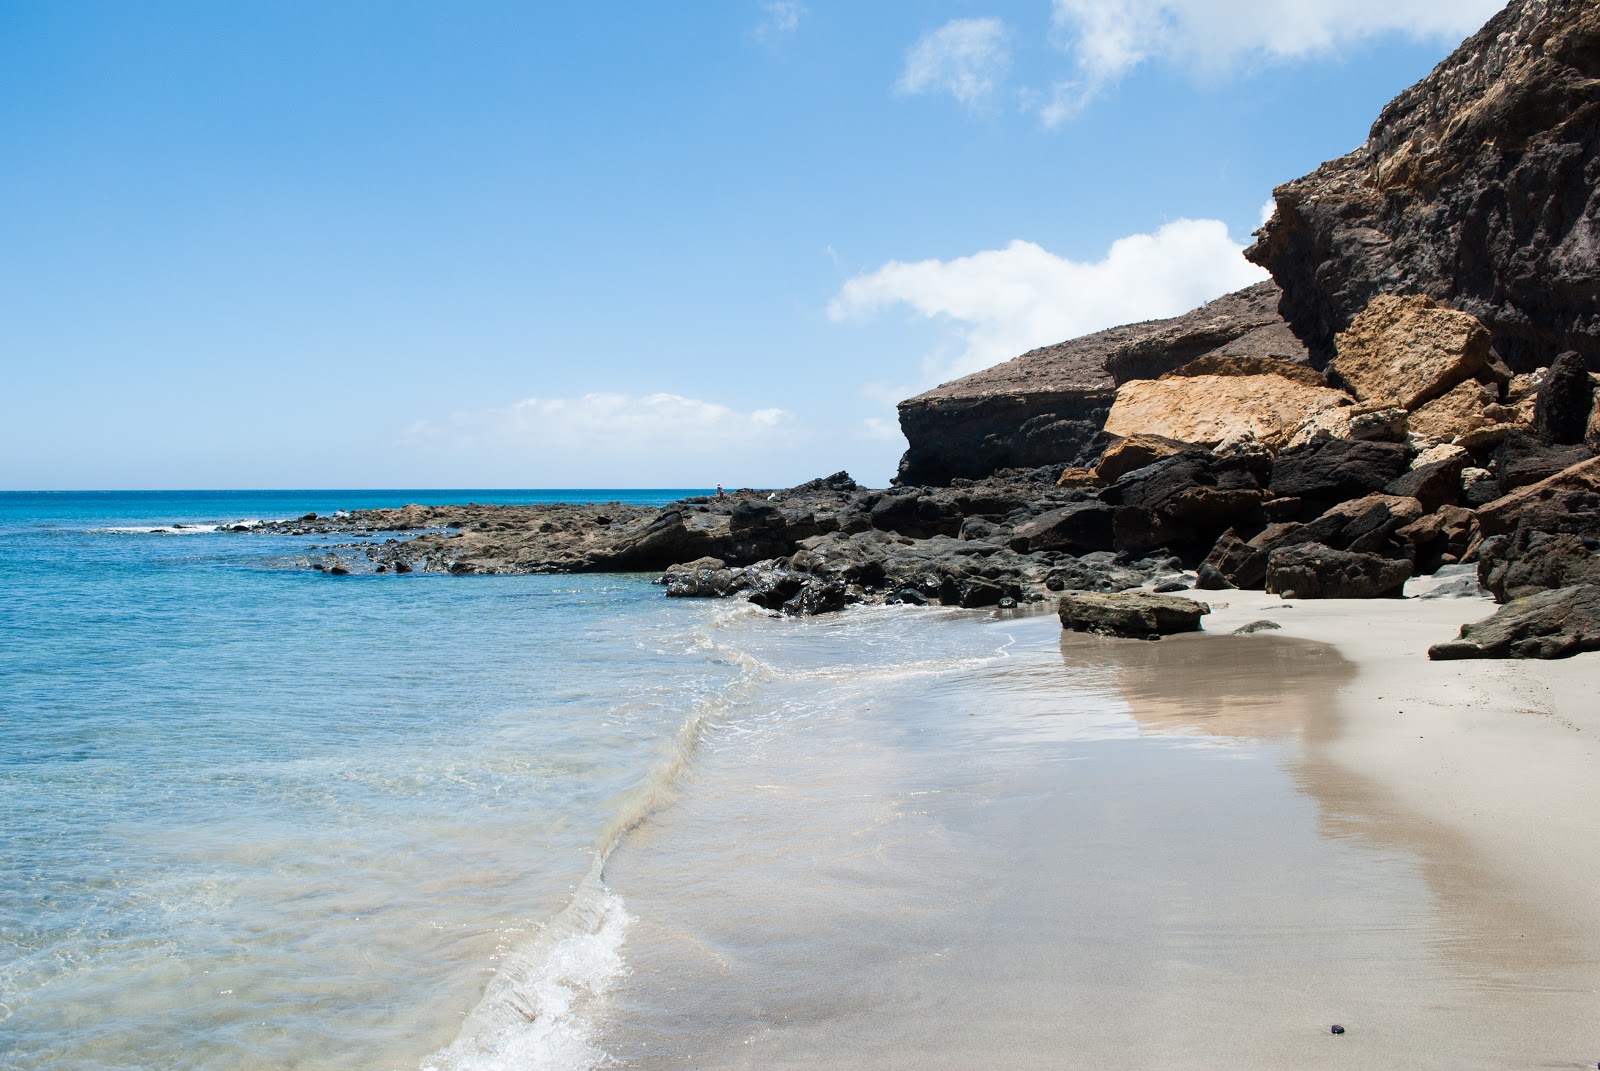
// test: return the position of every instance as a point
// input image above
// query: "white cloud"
(1003, 302)
(1107, 38)
(966, 58)
(780, 18)
(1267, 209)
(615, 433)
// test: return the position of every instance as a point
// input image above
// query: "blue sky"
(402, 244)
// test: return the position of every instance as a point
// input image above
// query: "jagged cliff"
(1479, 186)
(1047, 406)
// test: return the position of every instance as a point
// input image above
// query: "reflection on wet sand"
(1255, 687)
(1266, 687)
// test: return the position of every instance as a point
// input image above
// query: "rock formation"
(1479, 186)
(1047, 406)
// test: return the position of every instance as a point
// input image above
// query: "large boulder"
(1076, 528)
(1186, 499)
(1529, 561)
(1407, 350)
(1564, 401)
(1569, 501)
(1207, 409)
(1434, 478)
(1047, 406)
(1138, 615)
(1479, 186)
(1551, 624)
(1314, 571)
(1321, 474)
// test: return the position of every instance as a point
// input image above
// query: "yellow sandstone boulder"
(1207, 409)
(1408, 350)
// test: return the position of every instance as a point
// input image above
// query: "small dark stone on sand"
(1256, 626)
(1337, 1029)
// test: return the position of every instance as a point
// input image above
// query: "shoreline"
(1231, 854)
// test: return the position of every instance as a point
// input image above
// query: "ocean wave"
(535, 1014)
(180, 528)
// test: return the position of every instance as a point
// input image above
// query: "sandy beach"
(1488, 768)
(1198, 853)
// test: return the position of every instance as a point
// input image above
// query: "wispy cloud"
(779, 18)
(1108, 38)
(653, 436)
(966, 58)
(1003, 302)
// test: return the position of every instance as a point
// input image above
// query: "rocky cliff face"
(1047, 406)
(1479, 187)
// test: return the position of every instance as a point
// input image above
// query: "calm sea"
(257, 817)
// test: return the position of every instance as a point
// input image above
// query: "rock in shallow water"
(1133, 614)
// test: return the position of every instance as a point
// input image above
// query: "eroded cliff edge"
(1047, 406)
(1479, 186)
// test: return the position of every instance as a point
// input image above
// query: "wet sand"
(1198, 853)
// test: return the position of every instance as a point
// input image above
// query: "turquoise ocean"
(257, 817)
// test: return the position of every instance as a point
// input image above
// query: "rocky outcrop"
(1551, 624)
(1136, 615)
(1407, 351)
(1478, 187)
(1569, 501)
(1047, 406)
(1207, 409)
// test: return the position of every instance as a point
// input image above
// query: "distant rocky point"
(1414, 389)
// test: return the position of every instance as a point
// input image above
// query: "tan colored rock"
(1454, 414)
(1134, 452)
(1408, 350)
(1523, 391)
(1208, 409)
(1490, 435)
(1078, 477)
(1328, 424)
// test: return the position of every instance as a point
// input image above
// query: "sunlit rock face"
(1047, 406)
(1478, 186)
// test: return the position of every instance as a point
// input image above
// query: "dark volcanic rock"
(1134, 614)
(1187, 499)
(1551, 624)
(1565, 400)
(1313, 571)
(1434, 478)
(1478, 186)
(1440, 538)
(1321, 474)
(1528, 561)
(1078, 528)
(1366, 525)
(1522, 459)
(1569, 501)
(1047, 406)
